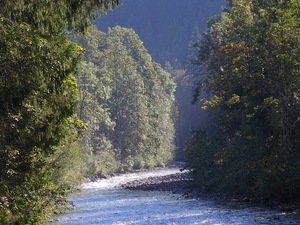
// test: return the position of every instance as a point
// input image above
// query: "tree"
(193, 51)
(250, 53)
(136, 96)
(52, 17)
(38, 100)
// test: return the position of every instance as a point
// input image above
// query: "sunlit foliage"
(127, 100)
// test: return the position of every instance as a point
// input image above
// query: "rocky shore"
(178, 183)
(182, 184)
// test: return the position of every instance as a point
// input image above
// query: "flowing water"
(102, 203)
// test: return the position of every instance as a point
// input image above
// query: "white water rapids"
(102, 203)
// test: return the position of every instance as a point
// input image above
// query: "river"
(102, 202)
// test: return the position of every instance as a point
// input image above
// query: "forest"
(84, 98)
(168, 30)
(127, 101)
(38, 103)
(251, 65)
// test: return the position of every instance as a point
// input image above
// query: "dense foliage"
(127, 100)
(165, 27)
(38, 101)
(251, 53)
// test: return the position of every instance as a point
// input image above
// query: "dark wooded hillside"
(165, 26)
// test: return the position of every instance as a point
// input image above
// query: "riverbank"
(179, 183)
(182, 184)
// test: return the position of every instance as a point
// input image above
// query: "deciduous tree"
(252, 55)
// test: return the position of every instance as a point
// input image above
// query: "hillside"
(165, 26)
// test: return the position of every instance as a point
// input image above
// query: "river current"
(102, 202)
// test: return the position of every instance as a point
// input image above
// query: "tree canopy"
(251, 53)
(38, 102)
(53, 16)
(127, 99)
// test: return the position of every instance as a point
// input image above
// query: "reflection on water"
(101, 203)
